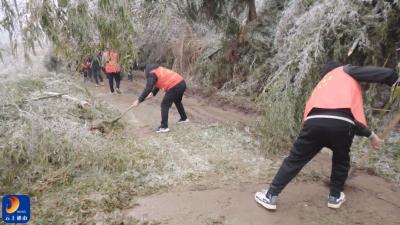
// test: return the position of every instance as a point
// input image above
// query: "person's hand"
(136, 103)
(375, 141)
(149, 96)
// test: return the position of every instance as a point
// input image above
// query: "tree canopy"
(74, 28)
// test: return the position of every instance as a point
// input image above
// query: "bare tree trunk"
(19, 23)
(252, 11)
(252, 15)
(18, 14)
(13, 46)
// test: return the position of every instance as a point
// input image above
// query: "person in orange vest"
(333, 115)
(112, 69)
(85, 69)
(172, 83)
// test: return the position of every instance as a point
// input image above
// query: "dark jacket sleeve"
(372, 74)
(151, 81)
(361, 130)
(155, 91)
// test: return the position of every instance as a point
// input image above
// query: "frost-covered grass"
(195, 152)
(384, 162)
(387, 161)
(73, 175)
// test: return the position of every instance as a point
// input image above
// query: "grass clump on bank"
(72, 175)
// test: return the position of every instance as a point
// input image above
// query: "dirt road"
(145, 118)
(215, 166)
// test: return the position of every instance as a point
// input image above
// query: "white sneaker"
(183, 121)
(334, 202)
(162, 130)
(267, 201)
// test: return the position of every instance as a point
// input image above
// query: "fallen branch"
(81, 103)
(353, 47)
(47, 97)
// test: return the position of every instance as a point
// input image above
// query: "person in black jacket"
(332, 127)
(174, 86)
(96, 69)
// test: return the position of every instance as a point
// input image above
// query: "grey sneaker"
(267, 200)
(118, 91)
(335, 202)
(162, 130)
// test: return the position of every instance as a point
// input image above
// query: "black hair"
(329, 66)
(141, 66)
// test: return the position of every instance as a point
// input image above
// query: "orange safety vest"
(338, 90)
(111, 65)
(85, 66)
(166, 79)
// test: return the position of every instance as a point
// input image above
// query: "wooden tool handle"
(392, 125)
(385, 134)
(119, 117)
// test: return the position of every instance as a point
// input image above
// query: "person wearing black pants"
(112, 69)
(316, 134)
(111, 77)
(173, 96)
(96, 69)
(333, 126)
(97, 76)
(174, 86)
